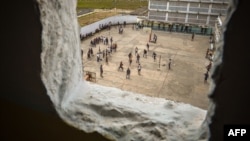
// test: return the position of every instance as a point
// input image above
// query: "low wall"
(113, 20)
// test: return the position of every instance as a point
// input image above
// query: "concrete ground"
(184, 82)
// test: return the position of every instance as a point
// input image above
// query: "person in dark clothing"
(101, 71)
(129, 55)
(107, 59)
(154, 56)
(148, 46)
(206, 77)
(88, 54)
(107, 41)
(91, 51)
(128, 74)
(120, 66)
(103, 54)
(130, 58)
(169, 64)
(138, 58)
(193, 36)
(136, 51)
(111, 40)
(209, 66)
(145, 53)
(130, 61)
(186, 28)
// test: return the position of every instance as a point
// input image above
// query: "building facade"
(195, 12)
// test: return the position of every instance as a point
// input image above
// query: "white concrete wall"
(120, 18)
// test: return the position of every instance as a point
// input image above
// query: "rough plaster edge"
(217, 70)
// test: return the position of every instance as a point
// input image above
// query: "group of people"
(105, 26)
(101, 55)
(100, 39)
(127, 72)
(208, 68)
(209, 56)
(139, 67)
(105, 53)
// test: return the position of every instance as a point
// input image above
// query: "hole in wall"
(115, 113)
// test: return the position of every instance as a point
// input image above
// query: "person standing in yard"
(107, 61)
(138, 58)
(130, 61)
(169, 64)
(136, 51)
(120, 66)
(148, 46)
(128, 74)
(154, 56)
(193, 36)
(97, 57)
(103, 54)
(101, 71)
(111, 40)
(139, 69)
(91, 52)
(206, 77)
(145, 53)
(130, 58)
(209, 66)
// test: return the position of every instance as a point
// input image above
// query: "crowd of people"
(105, 54)
(209, 56)
(130, 60)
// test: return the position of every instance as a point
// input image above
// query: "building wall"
(91, 28)
(196, 12)
(27, 113)
(231, 77)
(21, 55)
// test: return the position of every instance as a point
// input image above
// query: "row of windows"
(180, 2)
(157, 18)
(179, 20)
(185, 4)
(191, 9)
(182, 15)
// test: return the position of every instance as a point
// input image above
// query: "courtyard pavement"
(184, 82)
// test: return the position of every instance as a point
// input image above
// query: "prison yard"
(184, 82)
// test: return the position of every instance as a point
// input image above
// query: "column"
(186, 19)
(188, 5)
(208, 18)
(149, 4)
(210, 7)
(167, 5)
(166, 16)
